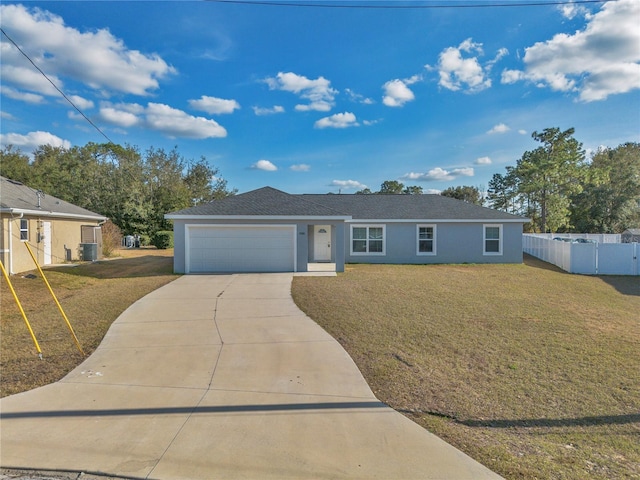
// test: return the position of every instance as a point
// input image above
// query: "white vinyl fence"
(602, 257)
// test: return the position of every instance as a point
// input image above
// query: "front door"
(322, 243)
(46, 247)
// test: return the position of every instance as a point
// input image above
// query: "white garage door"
(251, 248)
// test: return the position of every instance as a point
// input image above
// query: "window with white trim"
(492, 239)
(426, 240)
(367, 239)
(24, 230)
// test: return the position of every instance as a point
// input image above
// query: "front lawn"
(533, 372)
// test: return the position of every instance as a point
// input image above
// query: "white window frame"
(368, 226)
(25, 230)
(484, 238)
(435, 235)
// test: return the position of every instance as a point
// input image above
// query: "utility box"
(89, 251)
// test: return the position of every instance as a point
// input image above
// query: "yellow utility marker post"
(24, 315)
(55, 298)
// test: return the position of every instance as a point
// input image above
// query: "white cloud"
(503, 52)
(439, 174)
(95, 58)
(339, 120)
(511, 76)
(32, 140)
(602, 59)
(499, 128)
(467, 74)
(25, 78)
(119, 118)
(213, 105)
(347, 184)
(22, 96)
(358, 98)
(432, 191)
(268, 111)
(483, 161)
(318, 92)
(176, 123)
(397, 93)
(162, 118)
(571, 10)
(80, 102)
(522, 132)
(302, 167)
(264, 165)
(315, 106)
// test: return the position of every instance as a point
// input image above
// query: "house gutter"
(51, 214)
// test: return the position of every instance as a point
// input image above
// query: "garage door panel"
(241, 249)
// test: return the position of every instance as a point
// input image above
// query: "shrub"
(145, 240)
(111, 238)
(163, 239)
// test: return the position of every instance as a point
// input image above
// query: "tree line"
(561, 191)
(133, 189)
(393, 187)
(554, 185)
(558, 188)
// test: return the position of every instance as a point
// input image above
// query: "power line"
(395, 5)
(56, 87)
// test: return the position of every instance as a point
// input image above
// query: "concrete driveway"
(220, 376)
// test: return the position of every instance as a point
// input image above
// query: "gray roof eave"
(440, 220)
(171, 216)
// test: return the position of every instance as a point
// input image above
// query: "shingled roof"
(266, 201)
(409, 207)
(269, 201)
(15, 197)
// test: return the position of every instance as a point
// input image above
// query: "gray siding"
(302, 244)
(455, 243)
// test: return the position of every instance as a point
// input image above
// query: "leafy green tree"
(204, 184)
(465, 193)
(135, 191)
(549, 176)
(502, 193)
(391, 187)
(124, 186)
(412, 190)
(167, 190)
(15, 165)
(67, 173)
(610, 201)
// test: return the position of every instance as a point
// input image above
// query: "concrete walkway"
(220, 377)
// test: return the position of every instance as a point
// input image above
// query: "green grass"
(92, 296)
(532, 371)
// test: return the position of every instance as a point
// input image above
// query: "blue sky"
(310, 99)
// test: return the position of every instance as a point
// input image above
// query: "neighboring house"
(267, 230)
(631, 235)
(57, 231)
